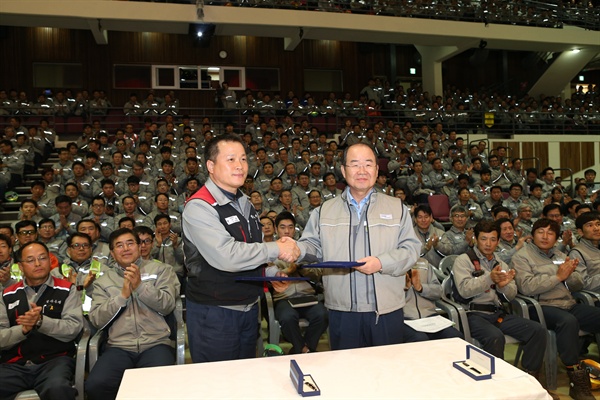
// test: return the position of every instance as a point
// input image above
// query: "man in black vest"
(222, 242)
(40, 317)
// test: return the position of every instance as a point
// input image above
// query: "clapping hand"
(30, 318)
(566, 269)
(500, 277)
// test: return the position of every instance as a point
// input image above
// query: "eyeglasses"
(123, 245)
(146, 241)
(26, 233)
(367, 166)
(77, 246)
(47, 227)
(97, 205)
(31, 260)
(459, 216)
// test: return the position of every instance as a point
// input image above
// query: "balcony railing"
(492, 123)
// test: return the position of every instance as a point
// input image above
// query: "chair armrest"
(273, 324)
(537, 307)
(81, 358)
(439, 274)
(584, 297)
(94, 347)
(594, 295)
(180, 341)
(519, 307)
(451, 311)
(462, 316)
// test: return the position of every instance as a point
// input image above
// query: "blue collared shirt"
(359, 206)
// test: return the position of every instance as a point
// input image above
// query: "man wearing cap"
(587, 251)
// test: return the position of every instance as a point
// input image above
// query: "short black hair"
(161, 216)
(120, 232)
(585, 218)
(545, 222)
(283, 216)
(142, 229)
(498, 209)
(486, 226)
(422, 208)
(25, 223)
(125, 219)
(97, 225)
(81, 235)
(550, 207)
(211, 151)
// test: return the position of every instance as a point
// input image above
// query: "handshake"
(288, 249)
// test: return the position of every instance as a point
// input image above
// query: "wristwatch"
(39, 321)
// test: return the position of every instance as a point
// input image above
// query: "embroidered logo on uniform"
(13, 305)
(232, 220)
(385, 216)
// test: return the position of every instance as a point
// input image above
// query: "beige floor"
(510, 352)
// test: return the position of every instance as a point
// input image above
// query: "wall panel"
(570, 157)
(357, 61)
(527, 151)
(587, 155)
(540, 150)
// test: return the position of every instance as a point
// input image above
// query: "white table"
(408, 371)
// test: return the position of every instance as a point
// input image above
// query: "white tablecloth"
(407, 371)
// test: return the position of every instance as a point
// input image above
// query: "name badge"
(232, 220)
(385, 216)
(13, 305)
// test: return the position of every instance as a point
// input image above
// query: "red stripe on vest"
(203, 194)
(62, 283)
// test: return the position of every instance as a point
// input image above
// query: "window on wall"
(188, 77)
(164, 77)
(266, 79)
(57, 75)
(323, 80)
(195, 77)
(132, 76)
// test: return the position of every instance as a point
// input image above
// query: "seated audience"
(40, 320)
(548, 274)
(477, 271)
(289, 315)
(458, 239)
(422, 289)
(129, 303)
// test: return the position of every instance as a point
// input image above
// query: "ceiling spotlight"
(199, 34)
(576, 51)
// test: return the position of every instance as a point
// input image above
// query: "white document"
(430, 324)
(87, 304)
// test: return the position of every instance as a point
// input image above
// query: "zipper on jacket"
(351, 257)
(368, 240)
